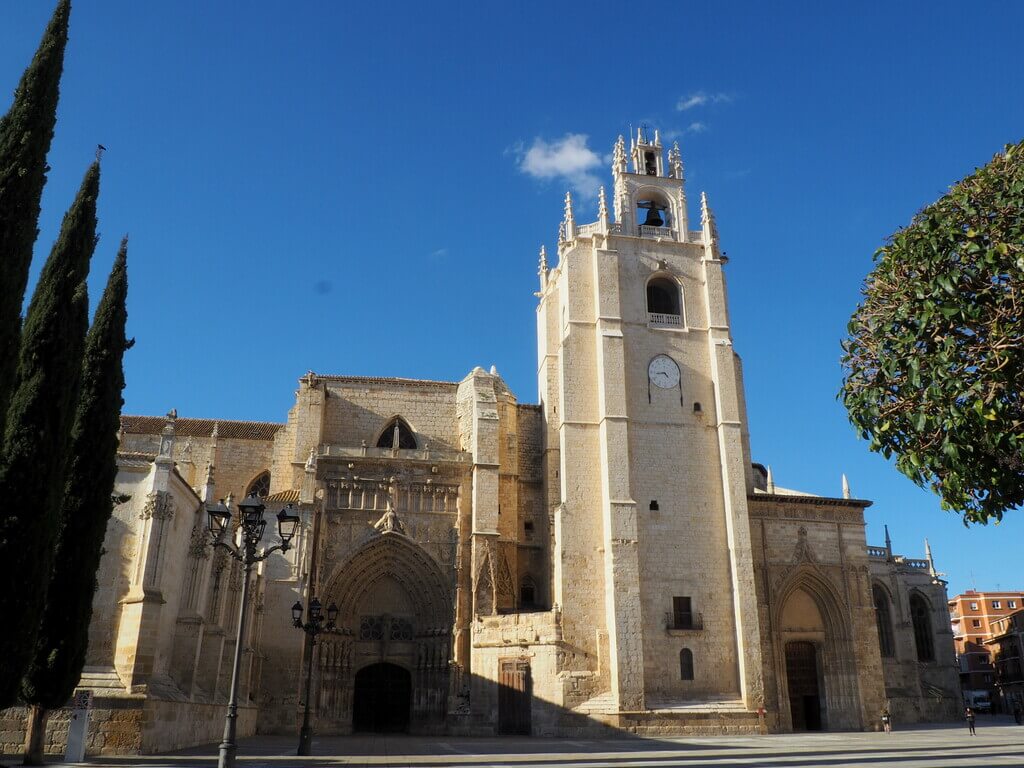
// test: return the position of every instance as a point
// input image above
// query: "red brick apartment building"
(972, 615)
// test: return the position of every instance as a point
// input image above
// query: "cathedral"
(608, 560)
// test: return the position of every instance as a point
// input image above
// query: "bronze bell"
(654, 218)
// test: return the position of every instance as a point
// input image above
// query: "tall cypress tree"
(64, 630)
(25, 135)
(39, 420)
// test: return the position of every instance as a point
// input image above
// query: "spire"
(602, 208)
(675, 162)
(543, 268)
(770, 482)
(888, 542)
(568, 220)
(657, 138)
(931, 562)
(846, 487)
(619, 156)
(707, 220)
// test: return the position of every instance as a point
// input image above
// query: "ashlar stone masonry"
(610, 558)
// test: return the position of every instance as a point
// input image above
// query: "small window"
(974, 606)
(260, 487)
(686, 664)
(654, 506)
(1011, 603)
(663, 297)
(682, 613)
(996, 604)
(696, 408)
(527, 593)
(975, 622)
(650, 164)
(397, 434)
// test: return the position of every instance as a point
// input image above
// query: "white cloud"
(700, 98)
(696, 127)
(568, 159)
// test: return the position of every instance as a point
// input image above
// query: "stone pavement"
(999, 743)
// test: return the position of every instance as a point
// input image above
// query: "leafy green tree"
(25, 135)
(64, 631)
(934, 362)
(35, 448)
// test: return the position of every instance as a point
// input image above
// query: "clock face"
(664, 372)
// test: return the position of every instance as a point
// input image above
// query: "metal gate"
(514, 695)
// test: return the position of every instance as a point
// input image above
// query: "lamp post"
(250, 531)
(313, 626)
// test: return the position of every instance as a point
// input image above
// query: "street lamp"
(313, 626)
(250, 530)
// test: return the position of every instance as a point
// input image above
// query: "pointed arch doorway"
(381, 699)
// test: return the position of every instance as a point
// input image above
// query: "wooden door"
(514, 695)
(804, 694)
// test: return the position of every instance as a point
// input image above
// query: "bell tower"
(647, 462)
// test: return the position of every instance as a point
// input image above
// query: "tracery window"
(397, 434)
(260, 487)
(686, 664)
(883, 618)
(921, 616)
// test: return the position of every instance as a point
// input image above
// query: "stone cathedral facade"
(610, 558)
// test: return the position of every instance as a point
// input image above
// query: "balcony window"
(996, 605)
(664, 303)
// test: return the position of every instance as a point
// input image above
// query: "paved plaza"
(999, 742)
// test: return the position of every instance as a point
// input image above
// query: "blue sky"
(362, 189)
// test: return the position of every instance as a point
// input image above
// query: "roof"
(238, 430)
(386, 380)
(291, 495)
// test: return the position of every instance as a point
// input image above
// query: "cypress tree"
(25, 135)
(39, 421)
(92, 468)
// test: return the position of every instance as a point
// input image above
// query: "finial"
(216, 430)
(543, 269)
(494, 370)
(846, 487)
(657, 138)
(640, 135)
(888, 541)
(707, 220)
(568, 206)
(100, 149)
(675, 161)
(770, 482)
(931, 562)
(602, 205)
(568, 221)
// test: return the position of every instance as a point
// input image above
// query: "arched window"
(686, 664)
(259, 487)
(397, 435)
(653, 210)
(921, 615)
(527, 593)
(883, 618)
(663, 297)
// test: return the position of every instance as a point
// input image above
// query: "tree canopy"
(934, 361)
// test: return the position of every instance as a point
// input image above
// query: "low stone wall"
(129, 724)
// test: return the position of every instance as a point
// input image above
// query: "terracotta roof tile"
(238, 430)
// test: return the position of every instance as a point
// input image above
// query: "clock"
(664, 372)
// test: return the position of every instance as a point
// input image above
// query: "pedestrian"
(1018, 715)
(886, 721)
(969, 717)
